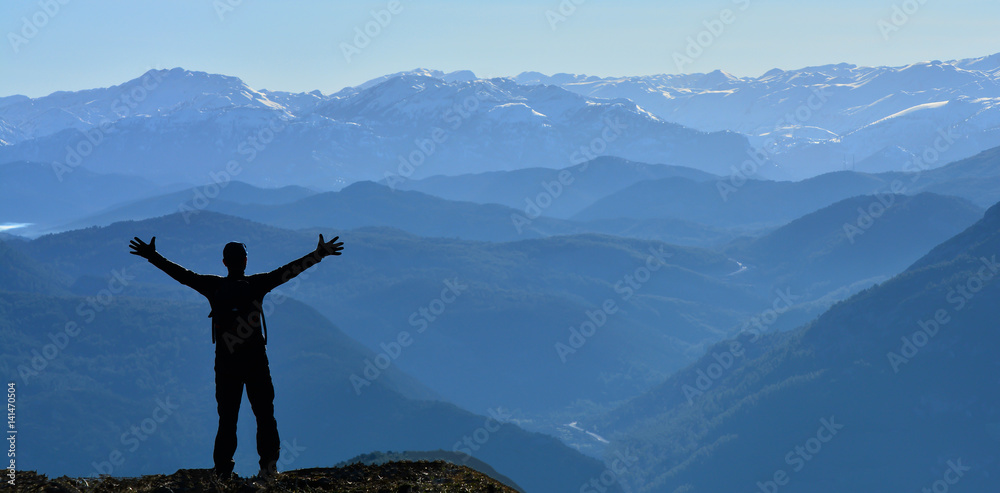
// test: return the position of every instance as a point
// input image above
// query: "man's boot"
(224, 471)
(268, 470)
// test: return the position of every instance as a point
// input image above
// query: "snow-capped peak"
(179, 93)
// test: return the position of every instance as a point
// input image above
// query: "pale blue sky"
(295, 45)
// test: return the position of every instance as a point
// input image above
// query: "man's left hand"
(143, 249)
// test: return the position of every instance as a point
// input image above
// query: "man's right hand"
(332, 247)
(141, 248)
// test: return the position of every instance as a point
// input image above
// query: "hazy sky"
(298, 45)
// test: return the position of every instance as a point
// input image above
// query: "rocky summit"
(402, 477)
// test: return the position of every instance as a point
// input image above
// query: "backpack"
(235, 308)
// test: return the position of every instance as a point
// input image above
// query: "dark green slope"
(910, 399)
(18, 272)
(125, 358)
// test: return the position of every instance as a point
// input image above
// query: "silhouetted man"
(239, 332)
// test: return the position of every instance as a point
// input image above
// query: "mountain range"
(182, 126)
(826, 118)
(178, 125)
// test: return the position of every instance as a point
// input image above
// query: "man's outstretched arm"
(180, 274)
(286, 272)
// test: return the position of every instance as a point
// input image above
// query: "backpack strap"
(263, 326)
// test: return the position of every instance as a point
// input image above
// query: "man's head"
(234, 256)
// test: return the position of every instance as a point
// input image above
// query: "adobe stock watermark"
(421, 319)
(363, 36)
(551, 191)
(535, 206)
(740, 175)
(901, 15)
(706, 377)
(30, 27)
(454, 117)
(931, 154)
(958, 297)
(224, 7)
(614, 472)
(87, 310)
(784, 300)
(564, 11)
(135, 436)
(471, 443)
(287, 454)
(799, 456)
(714, 29)
(11, 434)
(875, 210)
(203, 196)
(626, 288)
(598, 146)
(883, 200)
(123, 106)
(952, 476)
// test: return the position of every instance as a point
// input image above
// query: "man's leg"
(228, 394)
(260, 393)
